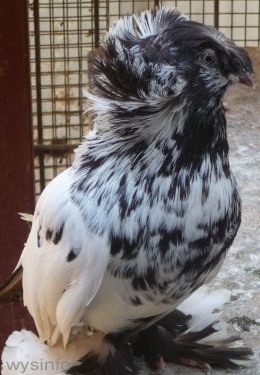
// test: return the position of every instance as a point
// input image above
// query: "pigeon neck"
(204, 134)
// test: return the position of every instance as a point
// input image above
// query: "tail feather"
(221, 355)
(206, 337)
(205, 307)
(199, 340)
(11, 290)
(26, 217)
(196, 336)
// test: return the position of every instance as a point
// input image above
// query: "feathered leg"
(117, 361)
(170, 342)
(92, 355)
(156, 343)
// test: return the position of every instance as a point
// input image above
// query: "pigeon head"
(203, 57)
(158, 64)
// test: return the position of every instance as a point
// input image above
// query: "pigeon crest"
(155, 63)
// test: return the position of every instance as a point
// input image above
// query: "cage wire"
(63, 36)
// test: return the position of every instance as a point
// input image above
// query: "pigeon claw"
(160, 364)
(197, 363)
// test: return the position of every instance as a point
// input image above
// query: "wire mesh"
(62, 35)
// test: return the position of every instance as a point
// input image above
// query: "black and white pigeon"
(146, 213)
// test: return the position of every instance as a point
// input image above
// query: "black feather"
(174, 344)
(119, 360)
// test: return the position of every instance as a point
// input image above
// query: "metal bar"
(39, 88)
(216, 14)
(80, 66)
(246, 24)
(96, 23)
(156, 3)
(258, 24)
(232, 19)
(52, 73)
(55, 147)
(107, 14)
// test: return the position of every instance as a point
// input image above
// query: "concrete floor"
(241, 270)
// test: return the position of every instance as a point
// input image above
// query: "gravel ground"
(241, 271)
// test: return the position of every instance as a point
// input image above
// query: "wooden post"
(16, 151)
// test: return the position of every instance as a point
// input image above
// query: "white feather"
(56, 291)
(204, 306)
(25, 216)
(24, 353)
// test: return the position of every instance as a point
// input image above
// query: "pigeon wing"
(63, 262)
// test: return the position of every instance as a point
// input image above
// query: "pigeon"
(145, 215)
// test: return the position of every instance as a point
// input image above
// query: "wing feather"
(63, 262)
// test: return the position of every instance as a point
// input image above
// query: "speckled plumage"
(149, 208)
(158, 159)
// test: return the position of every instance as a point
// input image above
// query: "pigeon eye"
(209, 57)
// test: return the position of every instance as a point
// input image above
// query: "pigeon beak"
(245, 78)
